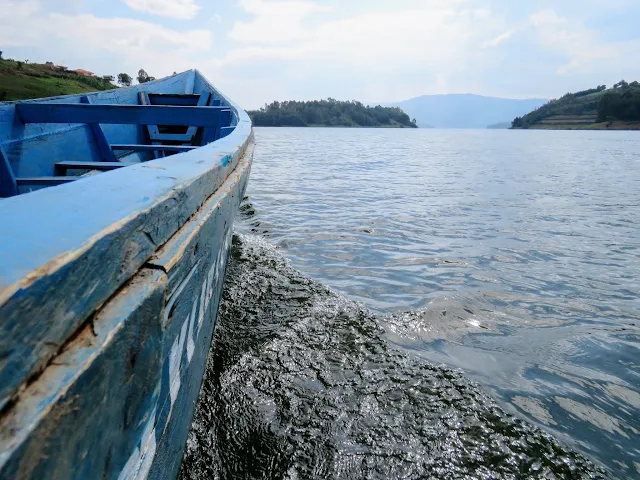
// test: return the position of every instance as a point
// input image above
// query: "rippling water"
(511, 256)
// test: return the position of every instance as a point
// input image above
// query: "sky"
(375, 51)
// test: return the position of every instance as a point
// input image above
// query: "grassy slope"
(37, 81)
(570, 113)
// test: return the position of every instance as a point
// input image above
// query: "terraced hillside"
(617, 108)
(21, 81)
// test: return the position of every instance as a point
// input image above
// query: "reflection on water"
(513, 256)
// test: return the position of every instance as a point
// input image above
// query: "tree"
(0, 53)
(414, 121)
(124, 79)
(329, 112)
(143, 77)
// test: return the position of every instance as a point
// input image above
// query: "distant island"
(599, 108)
(329, 113)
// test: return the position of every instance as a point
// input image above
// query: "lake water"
(415, 303)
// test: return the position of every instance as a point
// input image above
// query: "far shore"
(591, 126)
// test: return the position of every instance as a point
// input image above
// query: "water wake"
(302, 383)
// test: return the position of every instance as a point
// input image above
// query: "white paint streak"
(141, 460)
(139, 463)
(210, 282)
(175, 359)
(191, 346)
(203, 292)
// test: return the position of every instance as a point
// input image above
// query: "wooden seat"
(62, 167)
(149, 148)
(45, 181)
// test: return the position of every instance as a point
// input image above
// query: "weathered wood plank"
(144, 100)
(117, 226)
(150, 148)
(203, 101)
(170, 137)
(119, 114)
(101, 141)
(111, 233)
(224, 131)
(173, 99)
(48, 181)
(35, 157)
(119, 398)
(92, 394)
(195, 260)
(190, 83)
(62, 167)
(89, 410)
(8, 185)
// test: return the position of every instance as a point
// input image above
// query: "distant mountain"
(465, 110)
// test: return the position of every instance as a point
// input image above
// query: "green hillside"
(21, 81)
(616, 108)
(329, 113)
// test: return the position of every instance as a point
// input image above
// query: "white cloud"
(129, 44)
(437, 35)
(373, 50)
(12, 33)
(581, 46)
(498, 40)
(275, 21)
(126, 36)
(180, 9)
(383, 53)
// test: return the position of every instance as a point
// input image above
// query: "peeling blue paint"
(106, 318)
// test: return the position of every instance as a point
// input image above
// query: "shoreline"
(617, 126)
(335, 126)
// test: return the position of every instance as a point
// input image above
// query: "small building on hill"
(84, 73)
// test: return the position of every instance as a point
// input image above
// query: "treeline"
(622, 102)
(329, 113)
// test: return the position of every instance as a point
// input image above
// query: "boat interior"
(53, 141)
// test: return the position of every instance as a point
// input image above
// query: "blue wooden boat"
(115, 226)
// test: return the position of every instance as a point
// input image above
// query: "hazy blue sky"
(371, 50)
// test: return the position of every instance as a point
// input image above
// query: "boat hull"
(116, 398)
(118, 401)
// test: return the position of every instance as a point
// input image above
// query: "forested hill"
(329, 113)
(596, 108)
